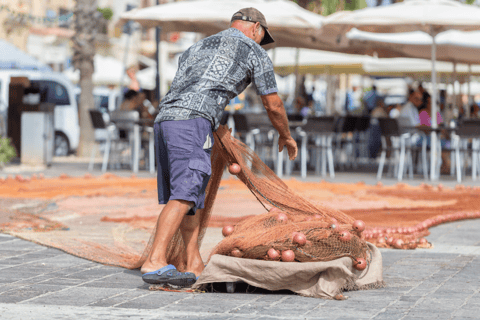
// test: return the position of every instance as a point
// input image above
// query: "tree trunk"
(87, 22)
(87, 133)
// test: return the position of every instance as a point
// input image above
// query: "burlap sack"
(311, 279)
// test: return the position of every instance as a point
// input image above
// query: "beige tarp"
(311, 279)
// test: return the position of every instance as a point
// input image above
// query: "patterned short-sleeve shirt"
(212, 72)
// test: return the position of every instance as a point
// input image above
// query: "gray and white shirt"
(212, 72)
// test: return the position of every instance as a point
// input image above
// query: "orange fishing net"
(252, 238)
(109, 219)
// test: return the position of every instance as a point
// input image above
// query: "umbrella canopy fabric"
(324, 62)
(431, 16)
(452, 45)
(108, 71)
(289, 24)
(315, 61)
(13, 58)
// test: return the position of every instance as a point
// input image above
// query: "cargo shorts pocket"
(201, 166)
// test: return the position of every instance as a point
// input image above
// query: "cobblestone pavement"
(37, 282)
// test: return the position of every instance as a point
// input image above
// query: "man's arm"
(276, 112)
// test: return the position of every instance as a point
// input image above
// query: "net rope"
(254, 236)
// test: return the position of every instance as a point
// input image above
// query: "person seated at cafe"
(410, 109)
(426, 121)
(474, 111)
(425, 96)
(375, 134)
(301, 107)
(426, 114)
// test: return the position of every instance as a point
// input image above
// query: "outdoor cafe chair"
(104, 136)
(345, 139)
(399, 147)
(257, 132)
(467, 134)
(317, 135)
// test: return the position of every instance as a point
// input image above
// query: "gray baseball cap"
(253, 15)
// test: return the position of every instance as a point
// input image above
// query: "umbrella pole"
(433, 144)
(454, 93)
(469, 92)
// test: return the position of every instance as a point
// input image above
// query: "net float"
(282, 217)
(237, 253)
(299, 238)
(273, 254)
(381, 240)
(358, 225)
(333, 226)
(390, 241)
(275, 210)
(334, 221)
(288, 256)
(422, 241)
(360, 264)
(345, 236)
(398, 243)
(19, 178)
(228, 230)
(234, 168)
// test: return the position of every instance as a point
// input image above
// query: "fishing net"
(324, 228)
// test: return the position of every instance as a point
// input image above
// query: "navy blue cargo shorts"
(183, 150)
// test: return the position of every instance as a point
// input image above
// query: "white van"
(54, 88)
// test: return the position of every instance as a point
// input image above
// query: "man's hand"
(291, 145)
(276, 112)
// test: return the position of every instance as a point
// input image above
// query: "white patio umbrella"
(288, 60)
(430, 16)
(453, 45)
(289, 24)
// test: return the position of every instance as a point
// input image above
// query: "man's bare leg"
(168, 223)
(190, 229)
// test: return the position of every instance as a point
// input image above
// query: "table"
(425, 131)
(138, 126)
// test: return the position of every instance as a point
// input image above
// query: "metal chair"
(390, 131)
(104, 135)
(344, 139)
(321, 130)
(257, 132)
(467, 132)
(128, 135)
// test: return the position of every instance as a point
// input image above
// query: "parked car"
(53, 88)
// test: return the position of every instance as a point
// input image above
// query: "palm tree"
(88, 23)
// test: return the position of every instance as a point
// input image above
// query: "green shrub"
(7, 151)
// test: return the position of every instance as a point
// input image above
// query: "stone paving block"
(155, 300)
(76, 296)
(8, 287)
(202, 303)
(63, 282)
(20, 245)
(119, 299)
(466, 314)
(105, 283)
(342, 313)
(19, 294)
(93, 273)
(384, 316)
(12, 275)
